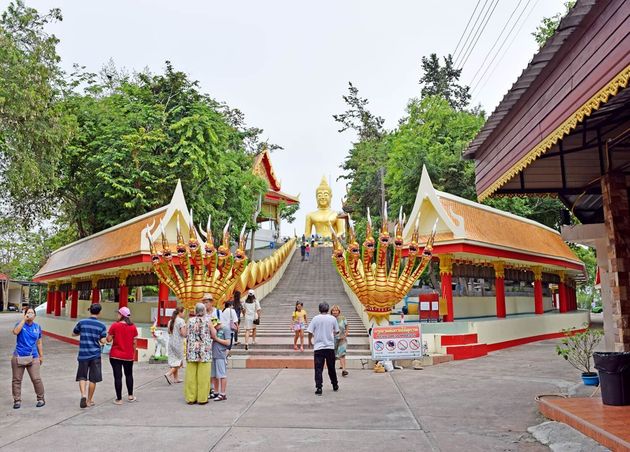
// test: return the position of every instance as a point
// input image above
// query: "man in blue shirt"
(92, 334)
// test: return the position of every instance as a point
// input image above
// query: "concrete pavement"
(473, 405)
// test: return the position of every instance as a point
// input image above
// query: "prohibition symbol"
(414, 344)
(378, 346)
(402, 344)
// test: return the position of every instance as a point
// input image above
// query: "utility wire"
(470, 33)
(479, 35)
(465, 29)
(496, 41)
(502, 44)
(489, 77)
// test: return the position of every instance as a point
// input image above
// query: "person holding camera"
(28, 355)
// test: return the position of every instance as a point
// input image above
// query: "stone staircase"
(310, 282)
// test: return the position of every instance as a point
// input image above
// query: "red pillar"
(50, 303)
(96, 295)
(562, 292)
(74, 307)
(446, 274)
(538, 290)
(57, 303)
(123, 296)
(162, 299)
(499, 284)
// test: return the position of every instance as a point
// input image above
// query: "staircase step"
(467, 351)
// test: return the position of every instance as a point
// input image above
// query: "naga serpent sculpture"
(378, 287)
(212, 270)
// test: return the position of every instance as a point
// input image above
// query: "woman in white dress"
(252, 317)
(176, 335)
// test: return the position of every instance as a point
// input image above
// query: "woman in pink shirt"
(122, 334)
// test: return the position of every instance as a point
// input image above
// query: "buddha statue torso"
(324, 216)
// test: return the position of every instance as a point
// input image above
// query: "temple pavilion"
(494, 264)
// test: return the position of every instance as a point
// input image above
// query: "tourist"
(323, 328)
(298, 324)
(303, 249)
(92, 334)
(122, 334)
(200, 333)
(252, 317)
(176, 333)
(341, 339)
(208, 301)
(220, 346)
(229, 318)
(237, 305)
(28, 355)
(307, 251)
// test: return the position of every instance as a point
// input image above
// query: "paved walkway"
(474, 405)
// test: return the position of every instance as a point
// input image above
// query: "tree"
(33, 126)
(135, 139)
(434, 135)
(366, 161)
(443, 81)
(549, 25)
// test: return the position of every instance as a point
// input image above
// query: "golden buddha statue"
(324, 215)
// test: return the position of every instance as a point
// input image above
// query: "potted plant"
(577, 348)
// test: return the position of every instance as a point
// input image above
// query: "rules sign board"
(396, 342)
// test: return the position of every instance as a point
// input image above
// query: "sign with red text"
(396, 342)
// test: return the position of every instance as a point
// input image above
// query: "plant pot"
(590, 378)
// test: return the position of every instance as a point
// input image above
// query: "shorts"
(219, 368)
(249, 323)
(298, 326)
(90, 370)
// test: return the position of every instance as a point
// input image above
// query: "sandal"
(132, 399)
(117, 402)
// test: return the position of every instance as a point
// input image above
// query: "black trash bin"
(614, 376)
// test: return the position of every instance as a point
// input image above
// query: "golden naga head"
(239, 254)
(369, 245)
(379, 287)
(353, 246)
(181, 246)
(195, 272)
(413, 246)
(209, 248)
(193, 242)
(224, 249)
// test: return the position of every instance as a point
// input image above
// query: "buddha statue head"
(323, 194)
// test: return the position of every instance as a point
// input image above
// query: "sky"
(286, 64)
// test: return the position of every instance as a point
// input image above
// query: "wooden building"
(563, 129)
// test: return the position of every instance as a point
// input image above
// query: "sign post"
(396, 342)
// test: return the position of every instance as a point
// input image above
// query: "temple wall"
(467, 307)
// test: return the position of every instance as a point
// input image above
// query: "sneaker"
(335, 388)
(40, 403)
(16, 405)
(344, 373)
(212, 395)
(220, 398)
(318, 391)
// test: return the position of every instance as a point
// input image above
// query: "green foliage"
(287, 211)
(586, 292)
(578, 348)
(434, 134)
(545, 210)
(136, 138)
(442, 81)
(549, 25)
(33, 126)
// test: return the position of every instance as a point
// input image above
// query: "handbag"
(256, 322)
(24, 361)
(107, 348)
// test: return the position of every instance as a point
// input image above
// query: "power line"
(470, 33)
(469, 19)
(502, 44)
(505, 52)
(496, 41)
(479, 35)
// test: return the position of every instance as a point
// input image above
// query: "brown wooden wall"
(587, 61)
